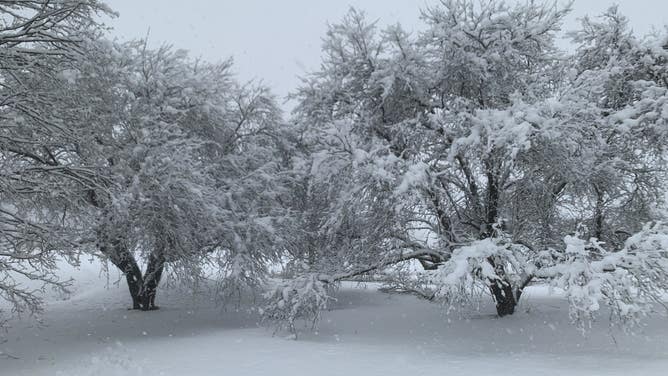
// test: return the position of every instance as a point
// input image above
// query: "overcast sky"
(279, 40)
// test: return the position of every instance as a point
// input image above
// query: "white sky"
(279, 40)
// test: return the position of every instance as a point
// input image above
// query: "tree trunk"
(142, 287)
(154, 269)
(502, 290)
(134, 279)
(504, 297)
(111, 243)
(126, 263)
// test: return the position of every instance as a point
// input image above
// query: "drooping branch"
(369, 268)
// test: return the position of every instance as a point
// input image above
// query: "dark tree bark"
(504, 297)
(154, 269)
(502, 291)
(142, 286)
(115, 249)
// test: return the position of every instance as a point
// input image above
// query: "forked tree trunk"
(112, 244)
(142, 286)
(126, 263)
(154, 269)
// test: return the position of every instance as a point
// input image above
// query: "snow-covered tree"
(193, 161)
(142, 156)
(478, 149)
(40, 45)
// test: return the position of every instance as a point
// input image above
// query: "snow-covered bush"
(302, 298)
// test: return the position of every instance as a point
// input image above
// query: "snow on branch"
(629, 281)
(306, 296)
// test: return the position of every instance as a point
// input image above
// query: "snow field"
(366, 332)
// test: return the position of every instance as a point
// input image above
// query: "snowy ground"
(366, 333)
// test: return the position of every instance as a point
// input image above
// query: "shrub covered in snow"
(301, 298)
